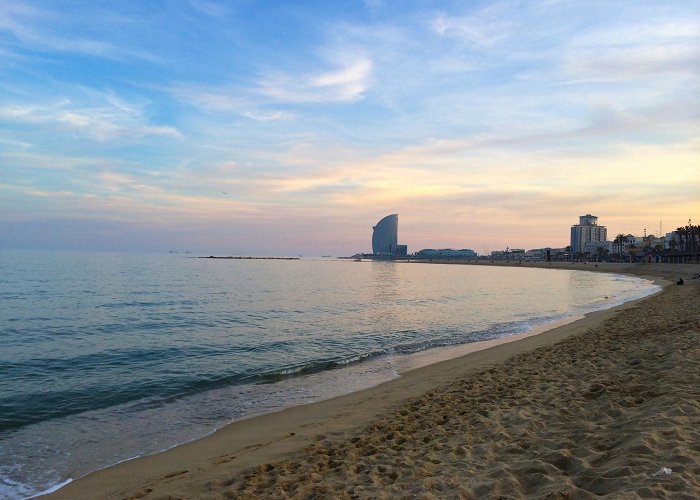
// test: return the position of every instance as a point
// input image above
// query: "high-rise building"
(587, 230)
(385, 236)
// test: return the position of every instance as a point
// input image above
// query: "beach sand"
(607, 405)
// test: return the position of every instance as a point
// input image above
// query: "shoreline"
(197, 468)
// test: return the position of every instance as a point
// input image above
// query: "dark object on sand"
(679, 282)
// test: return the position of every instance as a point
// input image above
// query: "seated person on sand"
(679, 282)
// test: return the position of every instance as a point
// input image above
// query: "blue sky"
(292, 127)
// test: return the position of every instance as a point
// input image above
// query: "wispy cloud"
(482, 28)
(632, 52)
(346, 84)
(43, 29)
(261, 101)
(28, 159)
(267, 116)
(219, 99)
(111, 119)
(215, 10)
(20, 21)
(229, 100)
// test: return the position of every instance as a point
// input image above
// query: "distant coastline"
(251, 258)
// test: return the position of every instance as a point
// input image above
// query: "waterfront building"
(536, 255)
(446, 253)
(585, 232)
(508, 254)
(385, 237)
(598, 250)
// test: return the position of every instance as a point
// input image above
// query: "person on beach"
(680, 281)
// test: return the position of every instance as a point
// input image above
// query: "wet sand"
(607, 405)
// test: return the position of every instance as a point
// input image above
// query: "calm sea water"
(104, 357)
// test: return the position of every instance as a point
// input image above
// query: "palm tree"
(693, 236)
(672, 245)
(619, 242)
(682, 233)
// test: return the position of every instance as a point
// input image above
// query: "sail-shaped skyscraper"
(385, 236)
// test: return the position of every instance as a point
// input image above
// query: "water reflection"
(386, 288)
(385, 281)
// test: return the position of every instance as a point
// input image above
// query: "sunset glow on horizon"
(292, 128)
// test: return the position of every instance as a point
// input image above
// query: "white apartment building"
(586, 231)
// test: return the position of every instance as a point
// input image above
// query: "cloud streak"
(109, 121)
(35, 28)
(345, 84)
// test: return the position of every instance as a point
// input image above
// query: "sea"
(109, 356)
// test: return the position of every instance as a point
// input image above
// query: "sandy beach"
(607, 405)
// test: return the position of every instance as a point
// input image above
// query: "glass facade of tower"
(385, 236)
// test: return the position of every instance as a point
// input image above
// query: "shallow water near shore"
(110, 356)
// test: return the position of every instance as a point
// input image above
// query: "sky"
(291, 128)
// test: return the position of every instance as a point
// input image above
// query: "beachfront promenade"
(607, 405)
